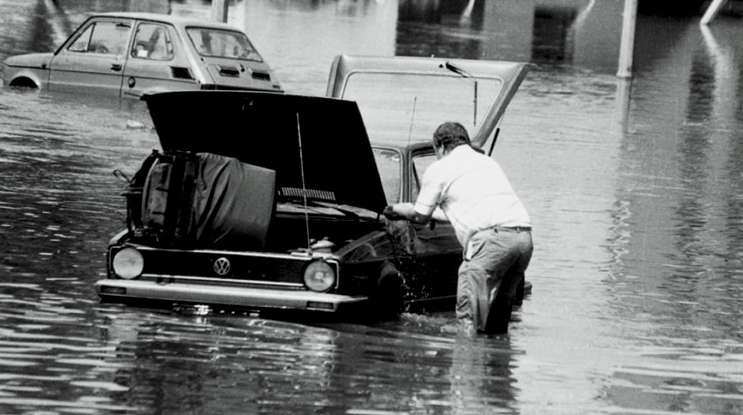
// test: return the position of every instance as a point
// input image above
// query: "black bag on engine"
(233, 203)
(200, 200)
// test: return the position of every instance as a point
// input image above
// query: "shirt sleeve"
(430, 193)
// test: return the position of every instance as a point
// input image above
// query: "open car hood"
(264, 129)
(403, 99)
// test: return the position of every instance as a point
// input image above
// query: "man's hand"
(404, 211)
(389, 213)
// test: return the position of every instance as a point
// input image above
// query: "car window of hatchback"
(152, 41)
(222, 44)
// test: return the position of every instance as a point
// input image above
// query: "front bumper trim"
(233, 296)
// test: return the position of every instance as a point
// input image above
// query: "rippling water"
(634, 189)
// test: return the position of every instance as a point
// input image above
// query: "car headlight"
(319, 276)
(128, 263)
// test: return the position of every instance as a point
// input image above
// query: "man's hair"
(449, 135)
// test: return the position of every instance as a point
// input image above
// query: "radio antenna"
(412, 119)
(304, 186)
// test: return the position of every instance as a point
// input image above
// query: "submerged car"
(284, 193)
(130, 54)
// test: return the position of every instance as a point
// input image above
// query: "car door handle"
(116, 67)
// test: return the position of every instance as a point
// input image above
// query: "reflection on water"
(634, 188)
(679, 235)
(580, 32)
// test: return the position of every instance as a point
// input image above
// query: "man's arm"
(405, 211)
(439, 215)
(426, 203)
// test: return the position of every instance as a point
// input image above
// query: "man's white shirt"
(473, 192)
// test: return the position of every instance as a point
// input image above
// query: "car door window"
(420, 165)
(104, 37)
(152, 41)
(389, 167)
(83, 40)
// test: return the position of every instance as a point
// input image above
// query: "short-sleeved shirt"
(473, 191)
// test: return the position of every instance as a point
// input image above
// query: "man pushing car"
(491, 224)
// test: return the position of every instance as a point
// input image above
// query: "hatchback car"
(129, 54)
(304, 230)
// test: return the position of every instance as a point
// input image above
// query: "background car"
(129, 54)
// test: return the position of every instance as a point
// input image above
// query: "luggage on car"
(200, 200)
(167, 197)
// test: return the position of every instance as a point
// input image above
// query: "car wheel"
(23, 82)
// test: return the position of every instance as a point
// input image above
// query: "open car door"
(404, 99)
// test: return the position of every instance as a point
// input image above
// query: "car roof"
(167, 18)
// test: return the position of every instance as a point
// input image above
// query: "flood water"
(635, 190)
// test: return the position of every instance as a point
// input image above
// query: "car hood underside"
(318, 147)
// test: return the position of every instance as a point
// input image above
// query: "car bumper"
(231, 296)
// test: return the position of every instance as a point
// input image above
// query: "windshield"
(220, 43)
(407, 107)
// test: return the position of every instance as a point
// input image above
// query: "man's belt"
(499, 228)
(513, 228)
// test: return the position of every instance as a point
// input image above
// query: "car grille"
(223, 267)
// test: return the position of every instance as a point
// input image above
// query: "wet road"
(635, 193)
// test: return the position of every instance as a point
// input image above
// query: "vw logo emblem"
(222, 266)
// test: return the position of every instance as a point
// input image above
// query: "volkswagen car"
(283, 204)
(130, 54)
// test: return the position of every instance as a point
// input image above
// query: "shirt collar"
(461, 149)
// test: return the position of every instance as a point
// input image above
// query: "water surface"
(634, 189)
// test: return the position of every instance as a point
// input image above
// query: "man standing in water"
(490, 222)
